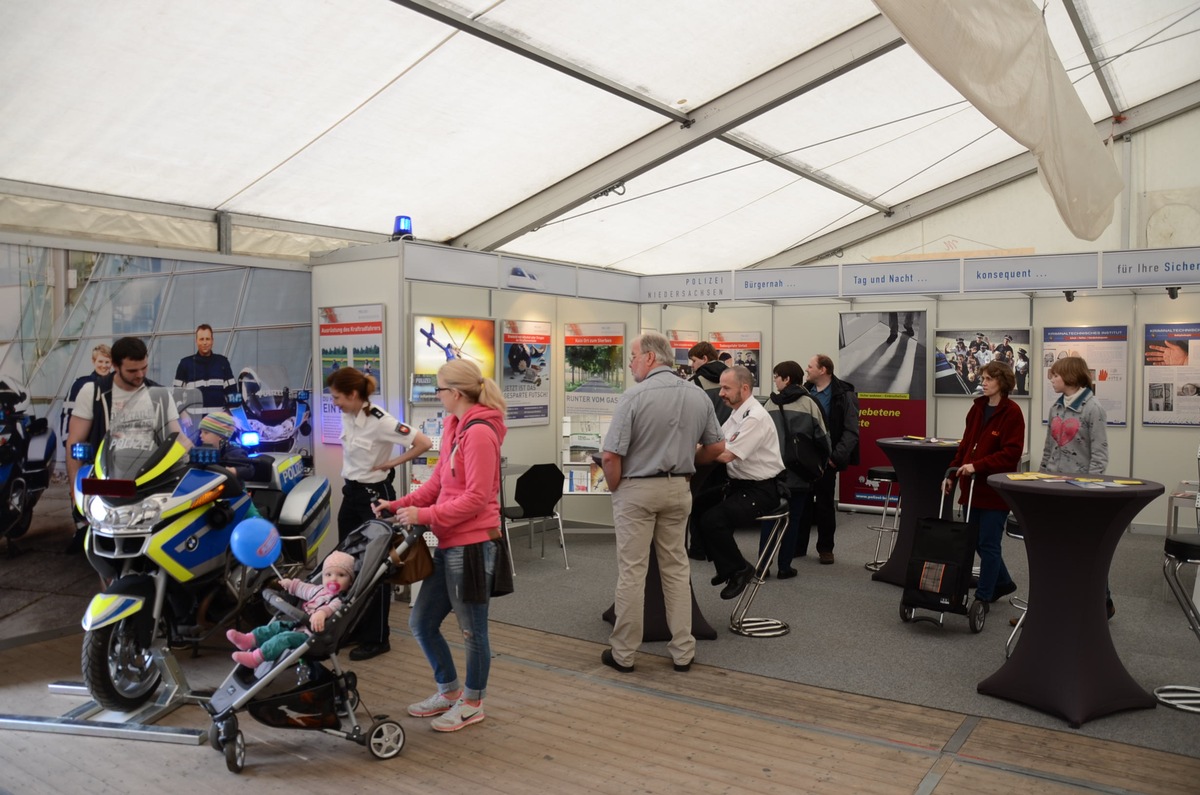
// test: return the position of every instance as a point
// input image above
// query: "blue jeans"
(992, 571)
(440, 593)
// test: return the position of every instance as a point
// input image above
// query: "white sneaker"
(434, 705)
(460, 716)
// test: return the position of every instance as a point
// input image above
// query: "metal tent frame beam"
(713, 120)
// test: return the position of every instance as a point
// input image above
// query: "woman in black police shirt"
(368, 435)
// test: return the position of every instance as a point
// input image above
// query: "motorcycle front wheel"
(119, 672)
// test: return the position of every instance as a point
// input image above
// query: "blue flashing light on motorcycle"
(82, 451)
(250, 439)
(204, 455)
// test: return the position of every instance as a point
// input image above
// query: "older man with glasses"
(649, 456)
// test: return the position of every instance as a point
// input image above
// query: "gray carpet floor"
(846, 633)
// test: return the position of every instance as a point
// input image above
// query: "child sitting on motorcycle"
(216, 430)
(270, 641)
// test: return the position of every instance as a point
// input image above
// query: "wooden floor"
(560, 722)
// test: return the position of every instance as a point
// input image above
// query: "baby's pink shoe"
(243, 640)
(250, 659)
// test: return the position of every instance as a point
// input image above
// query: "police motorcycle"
(26, 460)
(277, 413)
(161, 513)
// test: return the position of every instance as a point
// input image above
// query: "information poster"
(349, 336)
(959, 354)
(437, 340)
(594, 367)
(739, 347)
(681, 343)
(886, 364)
(1172, 374)
(1106, 350)
(526, 381)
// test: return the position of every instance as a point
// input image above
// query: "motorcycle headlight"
(95, 509)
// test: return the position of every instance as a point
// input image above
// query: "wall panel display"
(350, 336)
(742, 347)
(959, 354)
(1106, 350)
(883, 354)
(1171, 355)
(437, 340)
(681, 343)
(526, 381)
(594, 367)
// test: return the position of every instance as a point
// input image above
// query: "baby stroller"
(297, 691)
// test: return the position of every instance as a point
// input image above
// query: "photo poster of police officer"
(741, 347)
(526, 381)
(349, 336)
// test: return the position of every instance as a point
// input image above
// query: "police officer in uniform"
(368, 435)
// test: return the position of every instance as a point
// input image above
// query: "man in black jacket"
(839, 403)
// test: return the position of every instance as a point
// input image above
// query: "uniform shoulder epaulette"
(375, 412)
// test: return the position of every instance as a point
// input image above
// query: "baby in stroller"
(270, 641)
(303, 686)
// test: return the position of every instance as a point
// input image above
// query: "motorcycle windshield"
(143, 432)
(265, 394)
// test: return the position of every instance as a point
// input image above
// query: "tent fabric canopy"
(679, 135)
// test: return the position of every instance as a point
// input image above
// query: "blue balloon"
(256, 543)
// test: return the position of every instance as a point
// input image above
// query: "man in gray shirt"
(649, 456)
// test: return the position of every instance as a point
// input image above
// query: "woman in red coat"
(991, 443)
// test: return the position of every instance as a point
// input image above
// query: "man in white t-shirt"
(126, 406)
(753, 463)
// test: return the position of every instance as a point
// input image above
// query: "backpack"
(806, 445)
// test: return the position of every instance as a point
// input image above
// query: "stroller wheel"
(220, 731)
(347, 705)
(906, 613)
(214, 738)
(235, 753)
(386, 739)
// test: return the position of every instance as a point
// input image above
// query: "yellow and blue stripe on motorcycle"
(188, 547)
(290, 472)
(105, 609)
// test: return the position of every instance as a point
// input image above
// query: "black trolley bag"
(939, 576)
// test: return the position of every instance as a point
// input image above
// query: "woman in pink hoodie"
(459, 505)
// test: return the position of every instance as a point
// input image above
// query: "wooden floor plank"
(561, 722)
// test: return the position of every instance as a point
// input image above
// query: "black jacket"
(841, 421)
(708, 378)
(798, 416)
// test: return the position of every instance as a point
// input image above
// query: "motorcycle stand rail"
(136, 725)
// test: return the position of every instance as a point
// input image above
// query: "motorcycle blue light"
(302, 395)
(81, 451)
(204, 455)
(250, 439)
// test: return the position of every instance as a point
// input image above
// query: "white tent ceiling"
(733, 131)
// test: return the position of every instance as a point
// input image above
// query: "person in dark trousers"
(839, 403)
(798, 421)
(101, 366)
(368, 435)
(206, 371)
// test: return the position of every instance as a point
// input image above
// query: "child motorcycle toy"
(26, 459)
(160, 516)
